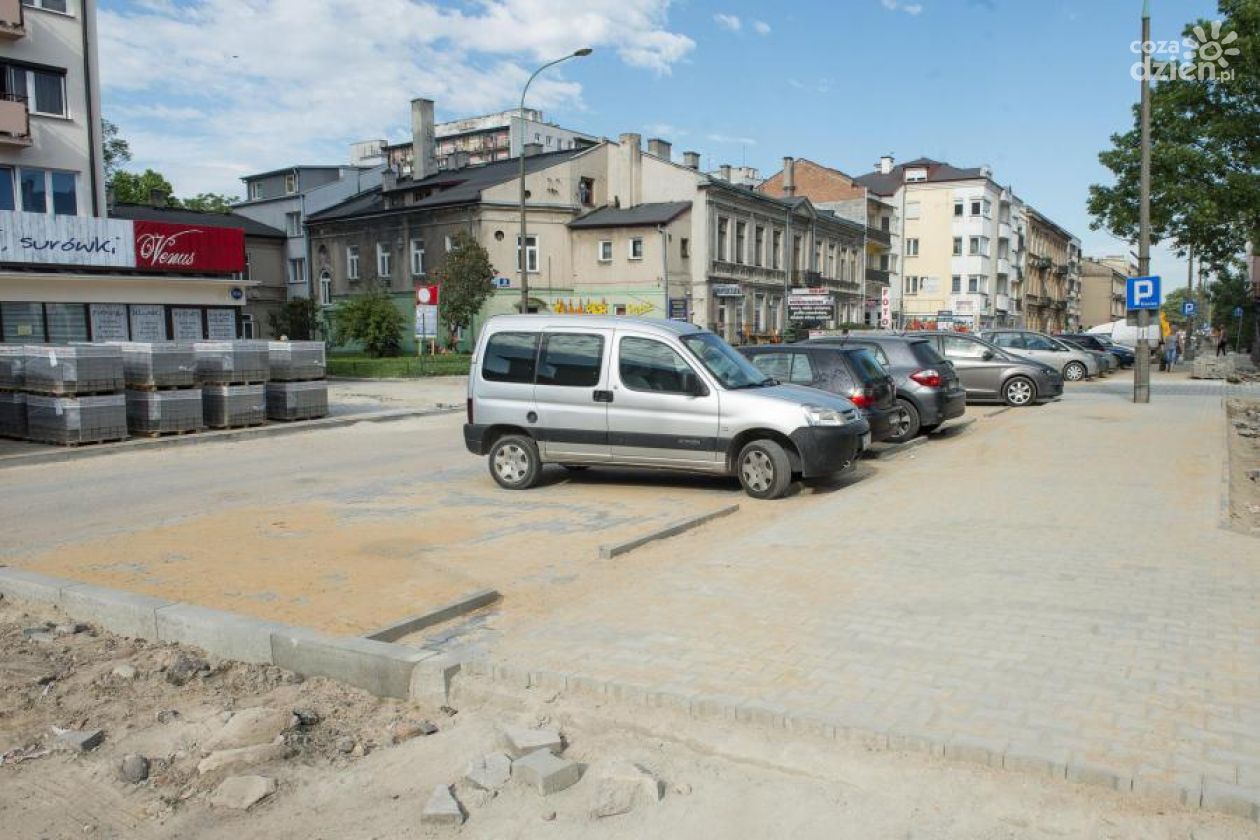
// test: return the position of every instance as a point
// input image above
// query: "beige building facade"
(1103, 288)
(1052, 294)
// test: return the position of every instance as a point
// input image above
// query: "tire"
(1019, 391)
(514, 462)
(764, 470)
(905, 423)
(1074, 372)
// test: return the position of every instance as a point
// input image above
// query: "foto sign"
(1142, 293)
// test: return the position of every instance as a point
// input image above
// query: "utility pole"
(1142, 366)
(1190, 318)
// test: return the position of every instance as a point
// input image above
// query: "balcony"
(877, 276)
(1002, 303)
(15, 121)
(742, 271)
(12, 20)
(879, 236)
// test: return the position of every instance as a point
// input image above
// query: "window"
(759, 246)
(34, 190)
(730, 367)
(531, 253)
(297, 271)
(647, 365)
(352, 262)
(986, 208)
(912, 247)
(1038, 342)
(912, 210)
(293, 224)
(776, 250)
(586, 192)
(1012, 340)
(975, 206)
(65, 201)
(605, 250)
(912, 285)
(449, 244)
(417, 257)
(50, 5)
(684, 247)
(384, 261)
(510, 357)
(785, 367)
(957, 347)
(255, 190)
(247, 325)
(957, 246)
(290, 183)
(67, 322)
(973, 246)
(741, 230)
(885, 223)
(975, 283)
(958, 206)
(43, 90)
(913, 175)
(956, 284)
(8, 198)
(23, 322)
(571, 361)
(721, 239)
(1004, 248)
(636, 248)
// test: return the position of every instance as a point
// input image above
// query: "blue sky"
(1032, 88)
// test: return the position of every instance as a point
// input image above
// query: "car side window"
(802, 371)
(510, 357)
(573, 361)
(647, 365)
(777, 365)
(961, 348)
(1008, 340)
(1037, 342)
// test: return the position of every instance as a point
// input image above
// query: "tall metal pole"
(1142, 366)
(1189, 348)
(522, 253)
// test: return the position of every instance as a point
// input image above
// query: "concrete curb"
(610, 550)
(1032, 758)
(888, 451)
(59, 454)
(458, 607)
(380, 668)
(952, 427)
(999, 411)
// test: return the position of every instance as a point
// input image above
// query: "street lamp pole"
(522, 255)
(1142, 366)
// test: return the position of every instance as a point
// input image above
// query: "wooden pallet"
(153, 389)
(296, 419)
(74, 444)
(166, 434)
(69, 395)
(298, 379)
(232, 384)
(239, 426)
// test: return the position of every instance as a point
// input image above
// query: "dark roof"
(645, 215)
(457, 186)
(181, 216)
(299, 167)
(881, 184)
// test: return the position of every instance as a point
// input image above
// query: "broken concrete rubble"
(240, 793)
(250, 727)
(490, 772)
(546, 772)
(443, 809)
(520, 741)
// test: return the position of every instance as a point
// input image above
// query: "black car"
(1123, 355)
(851, 372)
(928, 390)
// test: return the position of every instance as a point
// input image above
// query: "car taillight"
(860, 398)
(470, 411)
(930, 378)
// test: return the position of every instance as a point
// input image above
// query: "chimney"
(886, 165)
(158, 197)
(789, 177)
(660, 148)
(724, 172)
(632, 156)
(691, 160)
(389, 179)
(423, 144)
(532, 149)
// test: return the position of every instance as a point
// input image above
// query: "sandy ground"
(716, 781)
(1244, 459)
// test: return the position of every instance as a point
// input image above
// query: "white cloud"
(761, 27)
(665, 130)
(729, 22)
(735, 141)
(208, 90)
(899, 6)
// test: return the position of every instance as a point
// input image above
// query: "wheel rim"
(758, 471)
(901, 423)
(1019, 392)
(511, 463)
(1074, 372)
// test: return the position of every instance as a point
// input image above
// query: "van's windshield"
(724, 362)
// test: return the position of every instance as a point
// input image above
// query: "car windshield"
(721, 360)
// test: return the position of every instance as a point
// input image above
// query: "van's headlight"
(819, 416)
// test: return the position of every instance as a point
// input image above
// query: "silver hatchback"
(1072, 362)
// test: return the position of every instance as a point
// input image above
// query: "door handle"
(604, 396)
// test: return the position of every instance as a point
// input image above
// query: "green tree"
(465, 281)
(115, 151)
(130, 188)
(1232, 290)
(210, 203)
(372, 320)
(298, 319)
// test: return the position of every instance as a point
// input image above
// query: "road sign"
(1189, 307)
(426, 295)
(1142, 292)
(1238, 312)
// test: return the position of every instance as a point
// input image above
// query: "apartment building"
(961, 243)
(67, 271)
(283, 198)
(1102, 289)
(1052, 288)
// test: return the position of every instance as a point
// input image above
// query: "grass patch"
(398, 367)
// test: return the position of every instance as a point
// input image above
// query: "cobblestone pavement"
(1048, 590)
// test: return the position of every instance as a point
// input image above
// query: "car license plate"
(866, 441)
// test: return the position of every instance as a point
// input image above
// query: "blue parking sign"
(1189, 307)
(1142, 292)
(1238, 311)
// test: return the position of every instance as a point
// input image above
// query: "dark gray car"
(928, 390)
(990, 374)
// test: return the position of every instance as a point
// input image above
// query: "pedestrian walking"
(1170, 352)
(1221, 343)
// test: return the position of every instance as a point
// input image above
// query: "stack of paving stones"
(298, 389)
(162, 393)
(233, 377)
(74, 394)
(12, 400)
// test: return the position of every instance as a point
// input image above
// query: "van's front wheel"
(514, 462)
(764, 470)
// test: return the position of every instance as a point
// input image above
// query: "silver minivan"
(584, 391)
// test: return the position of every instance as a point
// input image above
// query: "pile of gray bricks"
(170, 411)
(232, 406)
(74, 420)
(74, 393)
(297, 390)
(72, 370)
(232, 362)
(158, 364)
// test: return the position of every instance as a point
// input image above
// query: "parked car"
(1106, 362)
(851, 372)
(584, 391)
(1072, 362)
(928, 390)
(990, 374)
(1124, 355)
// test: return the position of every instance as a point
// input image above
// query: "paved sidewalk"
(1049, 591)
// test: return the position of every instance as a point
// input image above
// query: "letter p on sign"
(1143, 293)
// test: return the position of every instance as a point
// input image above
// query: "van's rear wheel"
(764, 470)
(514, 462)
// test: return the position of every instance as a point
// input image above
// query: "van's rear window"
(510, 357)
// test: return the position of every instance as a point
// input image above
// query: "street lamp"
(521, 252)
